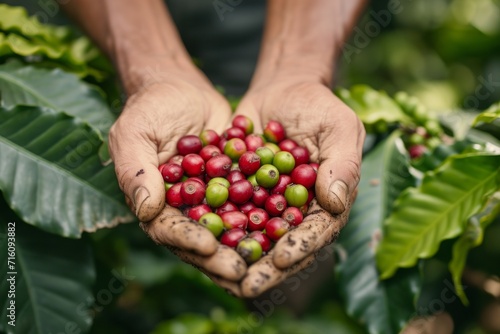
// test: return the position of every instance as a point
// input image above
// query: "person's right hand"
(174, 104)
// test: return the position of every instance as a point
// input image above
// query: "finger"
(136, 167)
(247, 108)
(231, 287)
(172, 228)
(224, 263)
(220, 121)
(340, 151)
(318, 229)
(263, 275)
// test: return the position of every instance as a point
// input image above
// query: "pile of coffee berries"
(247, 189)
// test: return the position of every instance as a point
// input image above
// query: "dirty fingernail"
(338, 197)
(140, 195)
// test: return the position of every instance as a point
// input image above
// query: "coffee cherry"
(219, 180)
(263, 240)
(287, 145)
(234, 133)
(193, 165)
(284, 161)
(276, 227)
(310, 196)
(275, 205)
(304, 175)
(257, 219)
(244, 123)
(273, 147)
(226, 207)
(212, 222)
(176, 159)
(232, 237)
(267, 176)
(416, 139)
(234, 219)
(296, 195)
(209, 151)
(189, 144)
(280, 187)
(192, 192)
(209, 137)
(171, 172)
(173, 195)
(266, 155)
(196, 212)
(249, 249)
(301, 155)
(274, 132)
(293, 216)
(222, 144)
(416, 151)
(253, 142)
(249, 163)
(168, 185)
(235, 176)
(216, 195)
(219, 165)
(315, 166)
(235, 148)
(235, 166)
(240, 192)
(246, 207)
(253, 180)
(259, 196)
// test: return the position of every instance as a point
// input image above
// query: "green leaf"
(382, 306)
(51, 174)
(437, 210)
(472, 237)
(489, 116)
(53, 281)
(24, 36)
(16, 19)
(372, 107)
(55, 89)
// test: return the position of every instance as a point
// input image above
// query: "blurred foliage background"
(447, 53)
(441, 51)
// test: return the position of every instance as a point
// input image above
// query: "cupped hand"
(316, 119)
(143, 137)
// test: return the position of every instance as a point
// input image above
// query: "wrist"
(302, 68)
(140, 71)
(144, 44)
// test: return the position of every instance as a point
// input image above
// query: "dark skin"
(169, 98)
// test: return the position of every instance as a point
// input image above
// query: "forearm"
(303, 38)
(138, 36)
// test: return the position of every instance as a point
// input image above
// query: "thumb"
(339, 170)
(136, 167)
(247, 108)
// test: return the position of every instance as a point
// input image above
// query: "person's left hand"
(314, 117)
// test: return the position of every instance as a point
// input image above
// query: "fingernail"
(140, 195)
(338, 197)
